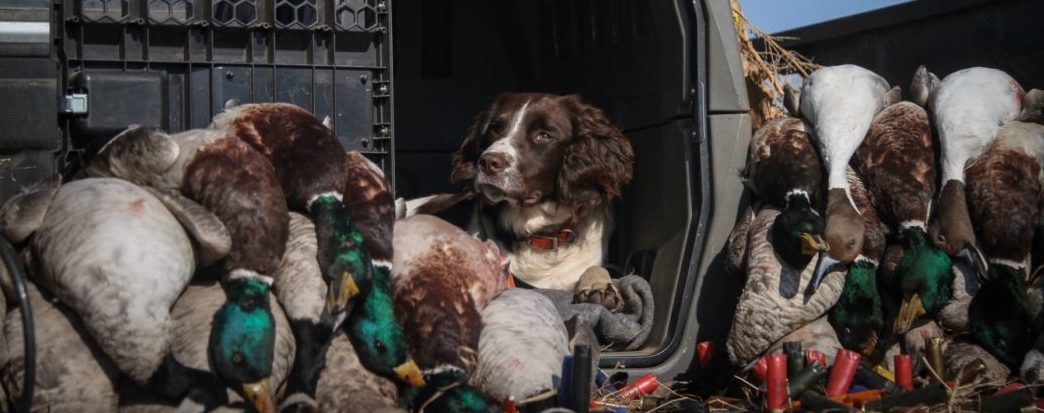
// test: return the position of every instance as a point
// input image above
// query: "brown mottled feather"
(368, 197)
(1003, 187)
(239, 185)
(307, 156)
(781, 158)
(874, 234)
(439, 317)
(898, 163)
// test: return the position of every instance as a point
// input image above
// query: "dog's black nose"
(493, 162)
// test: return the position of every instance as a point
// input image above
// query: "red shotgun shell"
(904, 371)
(777, 382)
(843, 372)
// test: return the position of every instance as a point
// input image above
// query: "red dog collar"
(553, 240)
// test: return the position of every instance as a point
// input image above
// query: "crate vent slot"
(171, 11)
(357, 15)
(234, 13)
(296, 14)
(104, 11)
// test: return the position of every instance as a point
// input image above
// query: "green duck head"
(377, 336)
(446, 391)
(242, 341)
(797, 233)
(925, 278)
(344, 261)
(999, 316)
(857, 317)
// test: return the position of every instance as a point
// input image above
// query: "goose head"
(242, 340)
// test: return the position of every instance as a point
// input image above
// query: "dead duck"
(116, 255)
(840, 102)
(443, 278)
(312, 171)
(897, 159)
(521, 347)
(858, 316)
(376, 336)
(783, 169)
(968, 106)
(71, 372)
(223, 174)
(769, 306)
(1004, 187)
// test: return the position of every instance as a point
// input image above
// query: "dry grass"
(763, 69)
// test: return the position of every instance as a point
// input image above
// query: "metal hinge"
(74, 104)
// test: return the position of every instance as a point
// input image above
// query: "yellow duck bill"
(813, 244)
(340, 293)
(259, 394)
(909, 311)
(410, 374)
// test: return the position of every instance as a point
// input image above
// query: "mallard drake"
(312, 170)
(769, 306)
(858, 315)
(898, 162)
(968, 107)
(783, 169)
(443, 278)
(225, 335)
(840, 102)
(1004, 187)
(194, 344)
(521, 347)
(382, 348)
(115, 254)
(71, 372)
(447, 391)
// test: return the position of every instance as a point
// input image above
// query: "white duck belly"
(969, 106)
(113, 252)
(840, 102)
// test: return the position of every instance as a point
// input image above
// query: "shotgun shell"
(776, 387)
(813, 356)
(904, 371)
(644, 385)
(843, 372)
(509, 405)
(705, 351)
(795, 358)
(935, 356)
(760, 369)
(871, 380)
(804, 379)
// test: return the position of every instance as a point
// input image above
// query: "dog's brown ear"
(598, 161)
(465, 160)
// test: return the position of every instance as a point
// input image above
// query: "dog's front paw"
(596, 287)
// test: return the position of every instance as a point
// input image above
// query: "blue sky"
(775, 15)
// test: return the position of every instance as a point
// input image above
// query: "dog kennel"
(401, 80)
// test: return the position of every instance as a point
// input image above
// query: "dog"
(543, 169)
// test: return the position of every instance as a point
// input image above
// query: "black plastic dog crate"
(177, 63)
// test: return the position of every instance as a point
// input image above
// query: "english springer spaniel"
(543, 168)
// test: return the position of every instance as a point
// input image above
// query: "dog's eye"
(544, 137)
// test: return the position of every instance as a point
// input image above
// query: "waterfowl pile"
(898, 222)
(244, 266)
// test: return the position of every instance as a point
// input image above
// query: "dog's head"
(528, 148)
